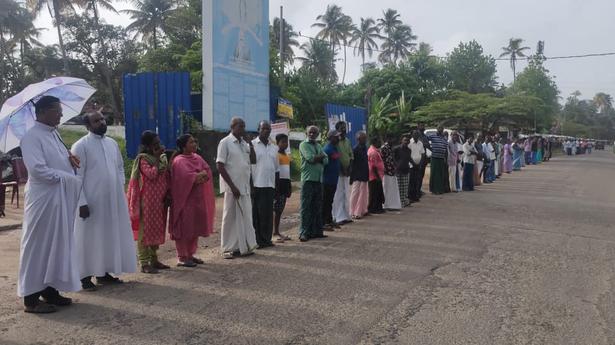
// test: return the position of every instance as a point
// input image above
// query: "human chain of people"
(80, 224)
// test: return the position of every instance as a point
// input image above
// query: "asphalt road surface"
(527, 260)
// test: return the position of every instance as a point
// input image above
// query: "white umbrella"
(17, 114)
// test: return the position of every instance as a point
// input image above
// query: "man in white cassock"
(103, 235)
(47, 257)
(235, 155)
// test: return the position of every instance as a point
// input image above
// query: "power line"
(497, 59)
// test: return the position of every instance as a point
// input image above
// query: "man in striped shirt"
(438, 179)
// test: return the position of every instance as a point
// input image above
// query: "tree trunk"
(344, 75)
(106, 70)
(56, 10)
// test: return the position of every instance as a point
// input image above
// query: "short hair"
(45, 103)
(307, 130)
(86, 117)
(281, 137)
(339, 124)
(235, 120)
(262, 122)
(359, 133)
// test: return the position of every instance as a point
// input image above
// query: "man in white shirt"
(417, 159)
(235, 154)
(263, 179)
(47, 257)
(103, 235)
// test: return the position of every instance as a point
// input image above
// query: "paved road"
(528, 260)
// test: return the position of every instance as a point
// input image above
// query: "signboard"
(279, 128)
(355, 118)
(235, 62)
(285, 108)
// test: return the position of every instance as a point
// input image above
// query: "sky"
(568, 27)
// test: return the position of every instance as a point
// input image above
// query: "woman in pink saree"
(192, 201)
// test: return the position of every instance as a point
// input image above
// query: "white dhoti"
(237, 229)
(341, 201)
(453, 178)
(391, 193)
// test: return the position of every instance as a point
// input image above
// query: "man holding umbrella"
(47, 259)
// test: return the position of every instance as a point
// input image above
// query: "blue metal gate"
(355, 118)
(155, 101)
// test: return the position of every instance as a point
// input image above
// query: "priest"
(103, 235)
(47, 256)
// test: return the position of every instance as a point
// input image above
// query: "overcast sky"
(568, 27)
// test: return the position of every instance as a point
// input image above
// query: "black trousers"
(376, 197)
(327, 203)
(416, 180)
(422, 169)
(33, 299)
(262, 215)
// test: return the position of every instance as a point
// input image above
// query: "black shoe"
(108, 279)
(57, 299)
(87, 285)
(41, 308)
(303, 238)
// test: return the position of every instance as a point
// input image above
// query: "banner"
(235, 62)
(285, 108)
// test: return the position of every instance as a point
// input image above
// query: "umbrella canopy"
(17, 114)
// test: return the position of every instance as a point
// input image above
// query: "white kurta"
(104, 241)
(47, 255)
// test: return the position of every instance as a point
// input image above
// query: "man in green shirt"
(341, 201)
(313, 161)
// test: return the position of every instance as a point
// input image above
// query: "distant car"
(599, 145)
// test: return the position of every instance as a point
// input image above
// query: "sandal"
(188, 263)
(228, 255)
(160, 266)
(197, 261)
(108, 279)
(149, 269)
(41, 308)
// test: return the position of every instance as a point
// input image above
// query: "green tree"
(514, 50)
(536, 81)
(365, 36)
(56, 9)
(470, 70)
(104, 60)
(150, 19)
(290, 40)
(92, 7)
(398, 44)
(308, 94)
(390, 21)
(603, 101)
(318, 57)
(337, 28)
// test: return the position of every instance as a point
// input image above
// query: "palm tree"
(335, 27)
(93, 7)
(289, 39)
(56, 8)
(150, 17)
(397, 45)
(24, 33)
(364, 37)
(318, 57)
(390, 21)
(603, 101)
(514, 50)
